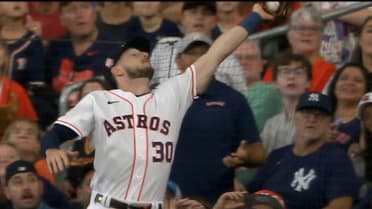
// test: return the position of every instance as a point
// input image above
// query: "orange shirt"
(42, 170)
(25, 108)
(322, 72)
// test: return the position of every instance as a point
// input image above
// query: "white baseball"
(273, 5)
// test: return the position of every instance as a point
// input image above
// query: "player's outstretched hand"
(257, 7)
(231, 200)
(58, 159)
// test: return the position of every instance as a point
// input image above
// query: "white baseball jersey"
(134, 136)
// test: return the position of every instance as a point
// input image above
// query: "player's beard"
(145, 72)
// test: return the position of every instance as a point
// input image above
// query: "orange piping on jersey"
(134, 145)
(72, 126)
(87, 146)
(147, 150)
(192, 81)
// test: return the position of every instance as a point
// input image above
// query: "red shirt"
(51, 24)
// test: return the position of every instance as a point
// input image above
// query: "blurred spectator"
(172, 11)
(365, 115)
(346, 89)
(51, 195)
(305, 36)
(311, 173)
(47, 14)
(112, 18)
(25, 135)
(8, 154)
(83, 190)
(339, 33)
(362, 53)
(22, 182)
(86, 87)
(228, 15)
(220, 121)
(264, 99)
(14, 100)
(292, 76)
(81, 54)
(26, 55)
(149, 23)
(196, 17)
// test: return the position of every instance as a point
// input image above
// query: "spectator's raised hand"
(231, 200)
(187, 203)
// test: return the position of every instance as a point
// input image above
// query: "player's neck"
(137, 86)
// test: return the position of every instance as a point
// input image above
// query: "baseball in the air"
(273, 6)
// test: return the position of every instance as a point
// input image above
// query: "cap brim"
(325, 110)
(255, 199)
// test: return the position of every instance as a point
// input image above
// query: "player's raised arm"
(226, 44)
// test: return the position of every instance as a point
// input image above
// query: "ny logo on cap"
(22, 168)
(313, 97)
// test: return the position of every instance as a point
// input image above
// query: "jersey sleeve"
(181, 88)
(80, 118)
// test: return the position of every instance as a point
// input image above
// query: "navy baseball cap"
(140, 43)
(19, 166)
(210, 5)
(315, 100)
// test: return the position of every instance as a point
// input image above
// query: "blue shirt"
(61, 56)
(117, 32)
(167, 28)
(212, 128)
(352, 130)
(26, 57)
(307, 182)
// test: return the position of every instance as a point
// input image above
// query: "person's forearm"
(55, 137)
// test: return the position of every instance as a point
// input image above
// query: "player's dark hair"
(287, 58)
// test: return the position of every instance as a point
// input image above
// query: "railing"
(336, 13)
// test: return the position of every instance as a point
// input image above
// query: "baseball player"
(134, 129)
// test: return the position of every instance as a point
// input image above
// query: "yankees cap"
(364, 101)
(19, 166)
(265, 197)
(315, 100)
(191, 38)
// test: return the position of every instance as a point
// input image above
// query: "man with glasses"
(292, 76)
(305, 37)
(311, 172)
(264, 99)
